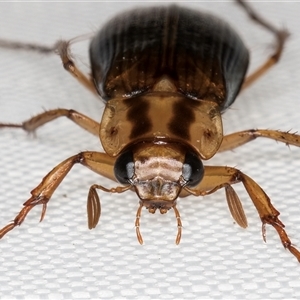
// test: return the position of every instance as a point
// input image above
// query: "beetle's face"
(158, 182)
(158, 172)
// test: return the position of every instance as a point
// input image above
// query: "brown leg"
(62, 48)
(240, 138)
(100, 163)
(35, 122)
(26, 46)
(222, 177)
(280, 34)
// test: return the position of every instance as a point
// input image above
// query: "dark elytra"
(201, 54)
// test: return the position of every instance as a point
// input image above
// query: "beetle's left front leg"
(223, 177)
(100, 163)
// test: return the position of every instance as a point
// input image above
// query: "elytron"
(166, 75)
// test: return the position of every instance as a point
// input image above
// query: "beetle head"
(158, 172)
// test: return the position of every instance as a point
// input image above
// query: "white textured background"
(60, 258)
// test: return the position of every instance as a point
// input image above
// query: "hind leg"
(281, 36)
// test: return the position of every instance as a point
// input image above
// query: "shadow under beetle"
(166, 75)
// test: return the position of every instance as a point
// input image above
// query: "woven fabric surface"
(60, 258)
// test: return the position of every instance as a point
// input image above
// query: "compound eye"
(192, 170)
(124, 167)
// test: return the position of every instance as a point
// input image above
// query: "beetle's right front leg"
(98, 162)
(216, 178)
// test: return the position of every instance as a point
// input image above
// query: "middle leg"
(37, 121)
(236, 139)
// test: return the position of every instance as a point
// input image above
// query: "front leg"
(216, 178)
(100, 163)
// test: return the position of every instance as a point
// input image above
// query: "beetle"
(166, 75)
